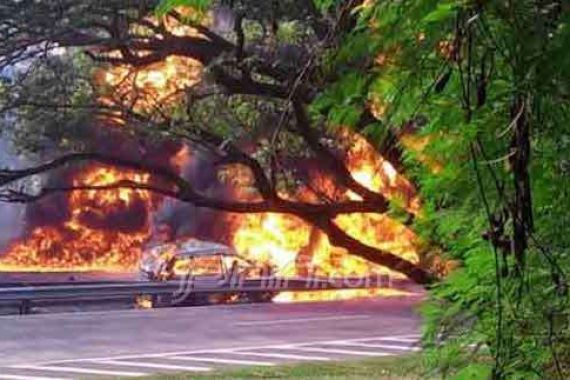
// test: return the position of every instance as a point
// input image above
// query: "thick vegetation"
(470, 98)
(485, 84)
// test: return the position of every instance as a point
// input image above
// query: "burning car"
(207, 263)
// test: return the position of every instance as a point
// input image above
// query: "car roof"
(202, 248)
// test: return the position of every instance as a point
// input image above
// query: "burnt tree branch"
(335, 165)
(319, 215)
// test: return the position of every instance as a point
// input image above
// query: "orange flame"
(149, 89)
(297, 249)
(84, 241)
(100, 233)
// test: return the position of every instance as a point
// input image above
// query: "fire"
(337, 295)
(264, 238)
(154, 87)
(99, 234)
(372, 171)
(104, 229)
(149, 89)
(97, 199)
(295, 248)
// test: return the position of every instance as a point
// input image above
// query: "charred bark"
(318, 215)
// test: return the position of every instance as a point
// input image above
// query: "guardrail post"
(25, 307)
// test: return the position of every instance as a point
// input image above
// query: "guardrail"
(27, 295)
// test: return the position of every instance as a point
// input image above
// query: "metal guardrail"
(26, 295)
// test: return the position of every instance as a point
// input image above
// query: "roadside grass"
(407, 367)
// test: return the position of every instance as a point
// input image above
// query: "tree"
(273, 58)
(470, 98)
(486, 84)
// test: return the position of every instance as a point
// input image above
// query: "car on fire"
(207, 263)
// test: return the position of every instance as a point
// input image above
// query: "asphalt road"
(138, 342)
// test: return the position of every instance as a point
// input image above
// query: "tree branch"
(336, 166)
(319, 215)
(340, 238)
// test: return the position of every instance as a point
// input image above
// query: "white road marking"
(222, 350)
(335, 351)
(300, 320)
(17, 377)
(155, 365)
(281, 356)
(399, 339)
(221, 360)
(83, 370)
(372, 345)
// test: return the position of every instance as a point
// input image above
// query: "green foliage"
(385, 368)
(324, 5)
(450, 72)
(448, 76)
(290, 32)
(443, 11)
(166, 6)
(473, 372)
(343, 101)
(50, 106)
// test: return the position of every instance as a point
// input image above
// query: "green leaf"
(324, 5)
(444, 10)
(474, 372)
(166, 6)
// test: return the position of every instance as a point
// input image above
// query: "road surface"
(138, 342)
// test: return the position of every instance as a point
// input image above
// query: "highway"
(138, 342)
